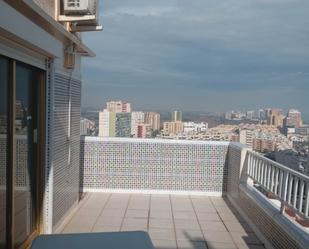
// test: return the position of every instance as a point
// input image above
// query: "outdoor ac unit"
(82, 14)
(79, 7)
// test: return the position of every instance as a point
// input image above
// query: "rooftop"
(173, 221)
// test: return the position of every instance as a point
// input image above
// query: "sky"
(200, 55)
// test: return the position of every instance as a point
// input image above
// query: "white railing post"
(250, 168)
(306, 212)
(295, 190)
(290, 187)
(301, 196)
(284, 190)
(276, 190)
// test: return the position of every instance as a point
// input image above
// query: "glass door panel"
(26, 133)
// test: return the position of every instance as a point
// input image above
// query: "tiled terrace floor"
(172, 221)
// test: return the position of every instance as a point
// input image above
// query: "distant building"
(302, 130)
(262, 115)
(228, 115)
(123, 125)
(144, 131)
(246, 137)
(107, 122)
(293, 119)
(153, 118)
(86, 126)
(136, 118)
(173, 128)
(250, 115)
(263, 145)
(176, 116)
(113, 124)
(118, 106)
(275, 117)
(191, 127)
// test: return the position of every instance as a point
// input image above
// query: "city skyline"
(170, 111)
(200, 56)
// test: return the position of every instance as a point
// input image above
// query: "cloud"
(142, 11)
(186, 52)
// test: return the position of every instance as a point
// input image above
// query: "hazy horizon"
(200, 55)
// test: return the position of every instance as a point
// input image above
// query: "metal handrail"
(288, 186)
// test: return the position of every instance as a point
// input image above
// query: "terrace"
(190, 194)
(172, 221)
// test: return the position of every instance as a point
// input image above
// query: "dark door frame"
(11, 160)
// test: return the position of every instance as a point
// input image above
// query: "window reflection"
(25, 127)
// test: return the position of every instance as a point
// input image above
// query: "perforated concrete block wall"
(153, 164)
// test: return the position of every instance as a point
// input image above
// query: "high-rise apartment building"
(86, 126)
(153, 118)
(262, 114)
(107, 124)
(143, 131)
(136, 118)
(118, 106)
(123, 125)
(173, 128)
(246, 137)
(275, 117)
(293, 119)
(176, 116)
(115, 120)
(250, 115)
(113, 124)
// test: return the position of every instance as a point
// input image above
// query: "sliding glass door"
(26, 135)
(20, 113)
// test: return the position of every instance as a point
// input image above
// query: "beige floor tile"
(132, 213)
(218, 236)
(134, 223)
(213, 226)
(191, 235)
(237, 227)
(113, 213)
(161, 223)
(188, 224)
(161, 214)
(184, 215)
(161, 234)
(109, 221)
(205, 208)
(208, 216)
(164, 244)
(104, 228)
(185, 244)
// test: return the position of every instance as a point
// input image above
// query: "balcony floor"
(172, 221)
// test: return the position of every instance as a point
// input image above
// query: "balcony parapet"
(153, 165)
(281, 183)
(257, 201)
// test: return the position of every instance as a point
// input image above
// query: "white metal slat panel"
(66, 144)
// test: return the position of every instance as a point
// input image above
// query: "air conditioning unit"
(83, 15)
(79, 7)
